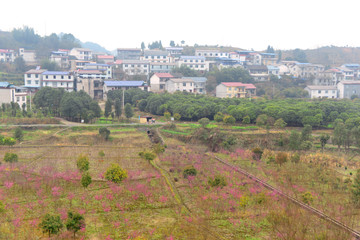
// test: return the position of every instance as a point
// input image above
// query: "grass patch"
(174, 132)
(123, 130)
(244, 127)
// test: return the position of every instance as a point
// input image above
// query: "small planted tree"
(204, 122)
(307, 198)
(280, 123)
(82, 163)
(217, 181)
(355, 191)
(74, 222)
(86, 179)
(228, 119)
(324, 138)
(10, 157)
(115, 174)
(118, 109)
(51, 224)
(18, 134)
(108, 108)
(246, 120)
(167, 115)
(104, 133)
(189, 171)
(128, 110)
(147, 155)
(219, 117)
(177, 116)
(281, 158)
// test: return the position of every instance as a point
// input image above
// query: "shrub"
(7, 141)
(51, 224)
(159, 148)
(177, 116)
(280, 123)
(306, 145)
(281, 158)
(115, 173)
(101, 153)
(128, 110)
(104, 133)
(10, 157)
(147, 155)
(218, 181)
(167, 115)
(261, 120)
(295, 158)
(75, 222)
(18, 134)
(307, 198)
(204, 122)
(228, 142)
(86, 179)
(257, 153)
(82, 163)
(228, 119)
(246, 120)
(189, 171)
(218, 117)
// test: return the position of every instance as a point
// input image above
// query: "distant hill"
(95, 47)
(329, 56)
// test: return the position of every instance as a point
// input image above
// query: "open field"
(156, 201)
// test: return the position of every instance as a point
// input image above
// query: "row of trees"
(74, 106)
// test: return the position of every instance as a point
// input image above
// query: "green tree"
(217, 181)
(261, 120)
(118, 109)
(338, 135)
(104, 133)
(204, 122)
(75, 222)
(270, 49)
(115, 173)
(280, 123)
(51, 224)
(324, 138)
(18, 134)
(82, 163)
(10, 157)
(228, 119)
(246, 120)
(177, 116)
(49, 65)
(307, 198)
(294, 140)
(108, 108)
(306, 133)
(218, 117)
(167, 115)
(128, 110)
(86, 179)
(189, 171)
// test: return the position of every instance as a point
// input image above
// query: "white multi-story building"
(194, 62)
(9, 93)
(7, 55)
(180, 84)
(136, 67)
(306, 70)
(81, 53)
(322, 91)
(33, 78)
(174, 51)
(211, 54)
(158, 81)
(60, 58)
(55, 79)
(29, 56)
(162, 67)
(157, 56)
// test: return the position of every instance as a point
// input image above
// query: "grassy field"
(157, 201)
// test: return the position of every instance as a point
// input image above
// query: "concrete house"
(211, 54)
(180, 84)
(156, 56)
(268, 58)
(321, 91)
(158, 81)
(33, 78)
(7, 55)
(306, 70)
(61, 59)
(56, 79)
(259, 73)
(235, 90)
(136, 67)
(81, 53)
(200, 83)
(330, 77)
(92, 86)
(129, 53)
(162, 67)
(29, 56)
(124, 85)
(347, 89)
(194, 62)
(9, 93)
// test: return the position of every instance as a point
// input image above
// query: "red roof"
(105, 57)
(4, 50)
(239, 84)
(118, 62)
(164, 75)
(64, 50)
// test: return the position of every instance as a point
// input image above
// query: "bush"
(18, 134)
(228, 119)
(115, 173)
(147, 155)
(228, 142)
(257, 153)
(75, 222)
(82, 163)
(306, 145)
(170, 126)
(10, 157)
(280, 123)
(218, 181)
(204, 122)
(51, 224)
(281, 158)
(86, 179)
(159, 148)
(218, 117)
(167, 115)
(189, 171)
(177, 116)
(104, 133)
(101, 153)
(246, 120)
(307, 198)
(295, 158)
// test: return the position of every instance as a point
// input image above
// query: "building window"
(36, 75)
(23, 98)
(184, 84)
(29, 82)
(326, 91)
(29, 75)
(319, 91)
(17, 99)
(126, 65)
(36, 82)
(54, 76)
(62, 76)
(47, 76)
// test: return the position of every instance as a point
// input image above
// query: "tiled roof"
(105, 57)
(34, 71)
(197, 79)
(164, 75)
(181, 80)
(319, 87)
(124, 83)
(155, 53)
(239, 84)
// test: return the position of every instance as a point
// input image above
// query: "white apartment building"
(194, 62)
(61, 58)
(158, 81)
(9, 93)
(29, 56)
(156, 56)
(58, 80)
(180, 84)
(7, 55)
(322, 91)
(33, 78)
(136, 67)
(81, 53)
(211, 54)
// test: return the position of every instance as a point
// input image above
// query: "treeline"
(295, 112)
(74, 106)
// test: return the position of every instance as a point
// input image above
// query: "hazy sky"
(284, 24)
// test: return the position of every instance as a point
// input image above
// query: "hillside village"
(152, 70)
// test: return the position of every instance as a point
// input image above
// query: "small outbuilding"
(145, 119)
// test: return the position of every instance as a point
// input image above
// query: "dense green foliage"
(115, 174)
(189, 171)
(73, 105)
(217, 181)
(18, 134)
(51, 224)
(82, 163)
(11, 157)
(86, 179)
(104, 133)
(75, 222)
(128, 110)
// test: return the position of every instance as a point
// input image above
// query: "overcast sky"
(284, 24)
